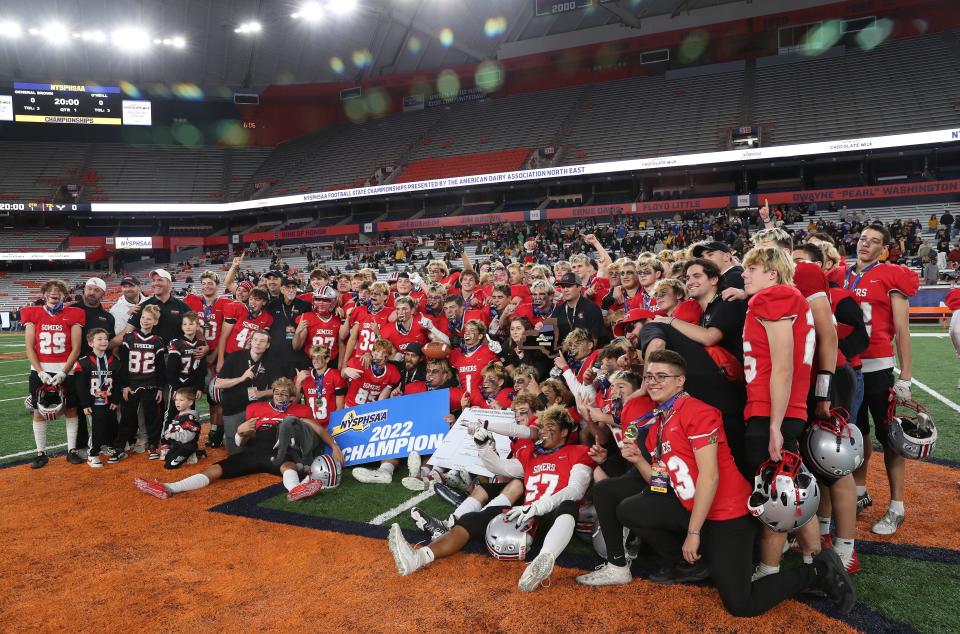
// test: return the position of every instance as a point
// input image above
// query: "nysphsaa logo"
(359, 422)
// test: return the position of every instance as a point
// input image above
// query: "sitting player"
(259, 435)
(555, 476)
(183, 431)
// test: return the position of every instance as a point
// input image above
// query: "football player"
(258, 436)
(366, 322)
(240, 320)
(408, 329)
(884, 291)
(470, 360)
(322, 387)
(555, 474)
(322, 326)
(52, 345)
(143, 353)
(211, 307)
(778, 319)
(185, 366)
(366, 385)
(98, 377)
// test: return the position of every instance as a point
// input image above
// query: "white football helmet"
(50, 401)
(327, 471)
(785, 494)
(507, 542)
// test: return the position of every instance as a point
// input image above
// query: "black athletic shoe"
(454, 497)
(428, 523)
(73, 457)
(40, 461)
(215, 437)
(834, 580)
(863, 501)
(681, 573)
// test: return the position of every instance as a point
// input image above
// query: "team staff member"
(575, 311)
(883, 291)
(731, 273)
(285, 311)
(694, 513)
(172, 310)
(128, 302)
(245, 378)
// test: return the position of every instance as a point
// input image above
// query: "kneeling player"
(555, 476)
(259, 435)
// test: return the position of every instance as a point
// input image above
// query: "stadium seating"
(32, 171)
(449, 166)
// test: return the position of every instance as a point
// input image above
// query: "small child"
(98, 377)
(184, 431)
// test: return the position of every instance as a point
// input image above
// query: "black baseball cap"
(130, 280)
(290, 281)
(272, 274)
(415, 348)
(568, 279)
(716, 245)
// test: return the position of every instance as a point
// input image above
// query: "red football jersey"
(586, 365)
(321, 331)
(692, 425)
(600, 286)
(371, 327)
(52, 340)
(326, 401)
(688, 310)
(501, 400)
(811, 281)
(211, 314)
(439, 320)
(269, 416)
(635, 410)
(873, 289)
(470, 366)
(368, 386)
(532, 313)
(776, 303)
(952, 300)
(400, 340)
(244, 324)
(545, 474)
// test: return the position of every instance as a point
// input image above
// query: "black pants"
(876, 400)
(476, 523)
(608, 496)
(103, 427)
(147, 396)
(756, 448)
(725, 546)
(178, 453)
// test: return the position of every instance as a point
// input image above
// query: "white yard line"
(935, 335)
(397, 510)
(31, 451)
(932, 392)
(15, 398)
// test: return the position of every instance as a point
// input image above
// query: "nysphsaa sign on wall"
(134, 243)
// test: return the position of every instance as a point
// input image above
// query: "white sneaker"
(888, 524)
(404, 555)
(413, 463)
(415, 484)
(372, 476)
(192, 459)
(94, 461)
(457, 479)
(607, 575)
(537, 572)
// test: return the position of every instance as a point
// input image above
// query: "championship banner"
(391, 428)
(458, 451)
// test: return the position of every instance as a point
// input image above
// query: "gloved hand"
(521, 515)
(494, 346)
(425, 322)
(58, 378)
(415, 279)
(482, 437)
(46, 378)
(902, 389)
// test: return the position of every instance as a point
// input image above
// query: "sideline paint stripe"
(400, 508)
(31, 451)
(932, 392)
(934, 335)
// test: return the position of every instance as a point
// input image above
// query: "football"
(436, 350)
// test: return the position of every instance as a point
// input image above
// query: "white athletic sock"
(470, 505)
(40, 435)
(824, 525)
(73, 425)
(290, 479)
(194, 482)
(763, 570)
(897, 507)
(387, 467)
(559, 535)
(844, 550)
(861, 490)
(425, 555)
(500, 500)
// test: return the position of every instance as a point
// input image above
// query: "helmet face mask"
(325, 300)
(785, 494)
(912, 435)
(50, 401)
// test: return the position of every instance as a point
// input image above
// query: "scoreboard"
(551, 7)
(73, 104)
(11, 207)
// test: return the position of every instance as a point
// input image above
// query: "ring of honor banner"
(391, 428)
